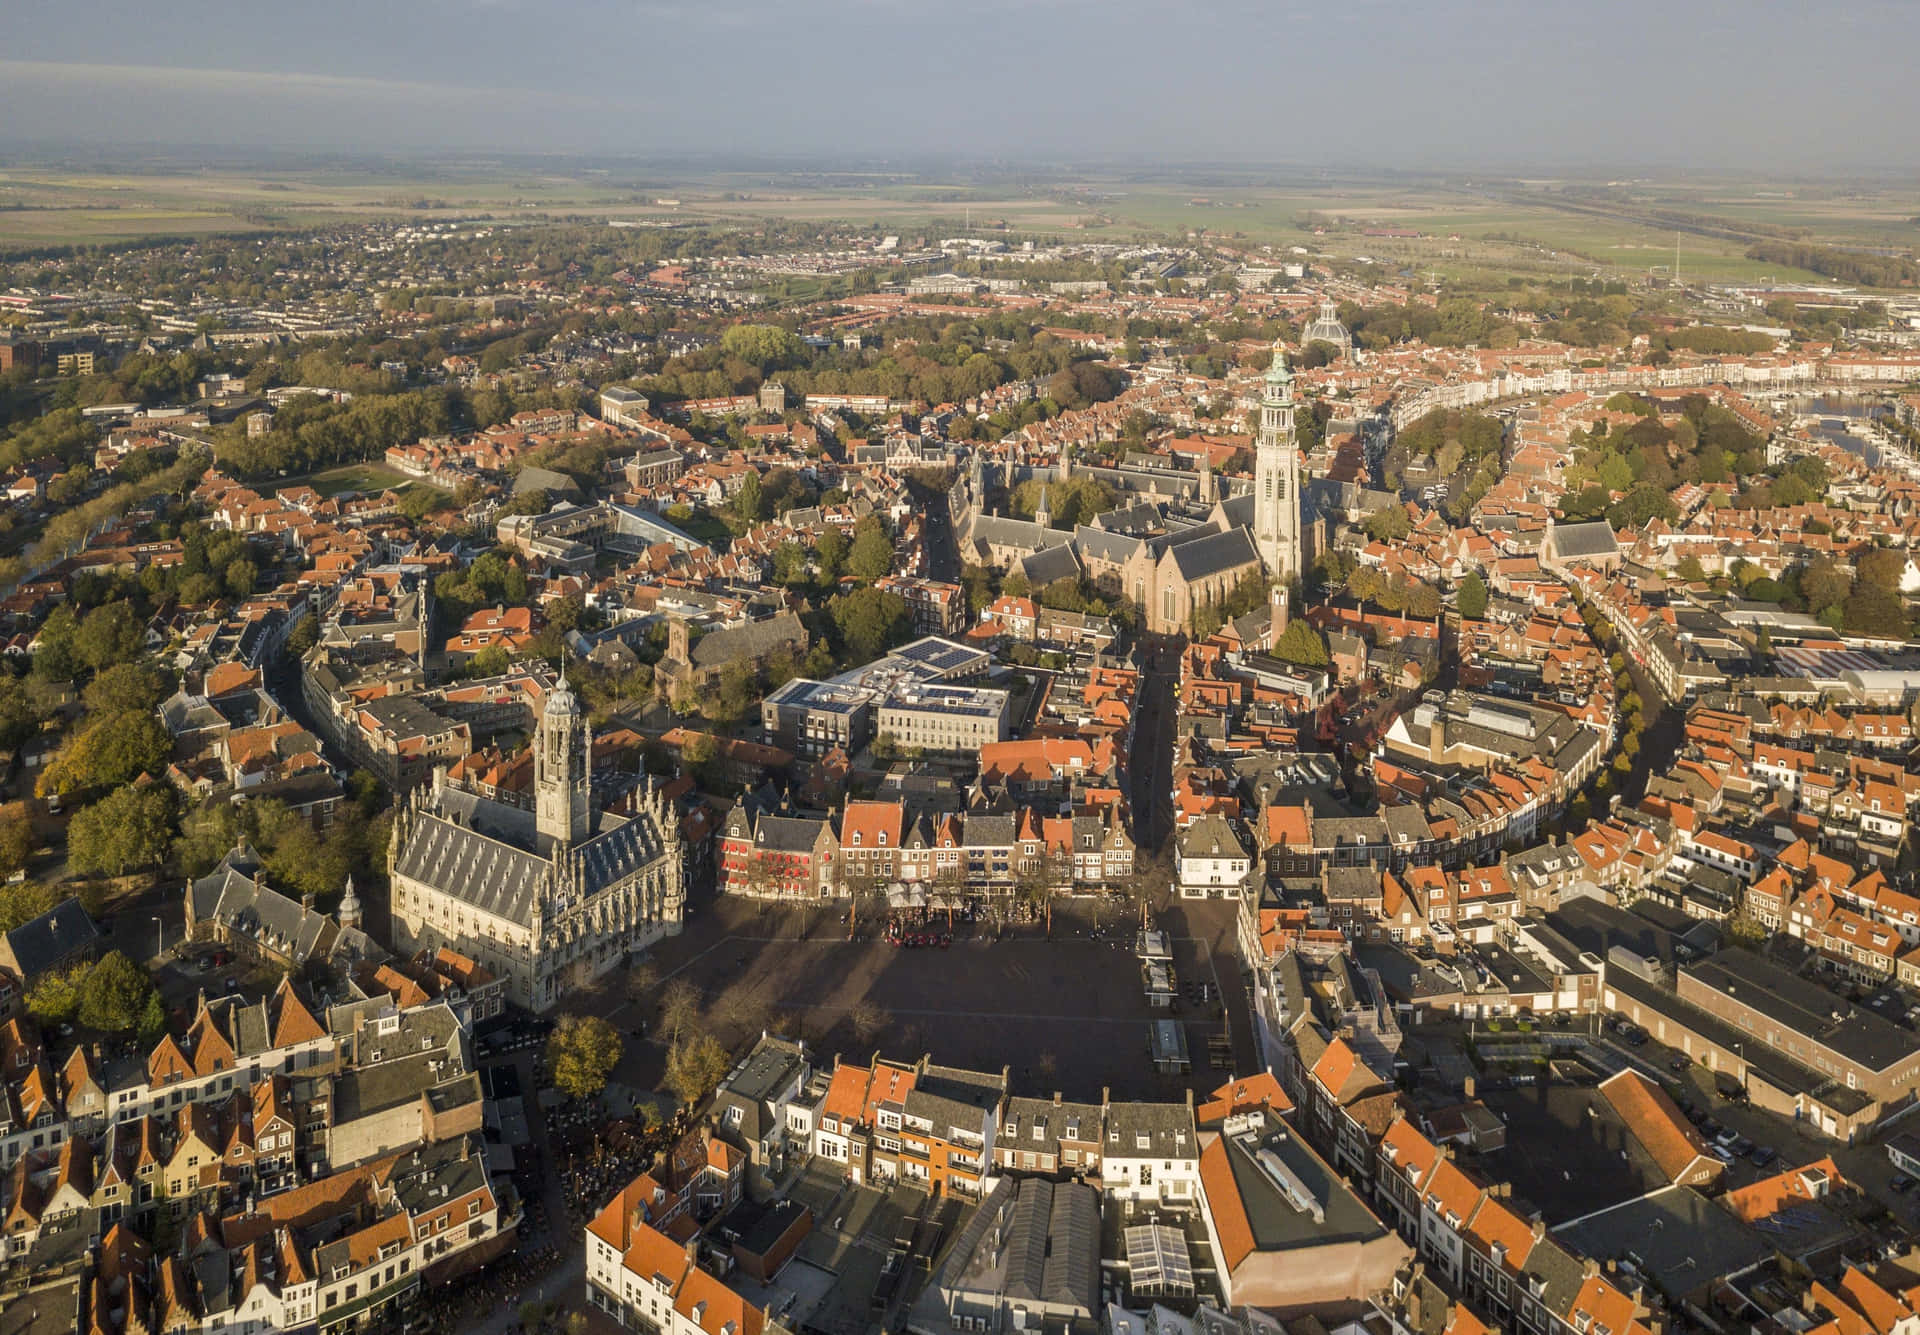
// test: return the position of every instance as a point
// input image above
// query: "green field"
(351, 477)
(1519, 227)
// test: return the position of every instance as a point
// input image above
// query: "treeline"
(1714, 340)
(1846, 266)
(956, 364)
(311, 433)
(1454, 323)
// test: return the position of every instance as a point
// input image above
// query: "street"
(1151, 765)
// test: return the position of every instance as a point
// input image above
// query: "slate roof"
(1593, 539)
(1164, 1125)
(786, 834)
(51, 939)
(1215, 553)
(490, 855)
(753, 640)
(1239, 510)
(1053, 1245)
(1049, 564)
(999, 531)
(277, 921)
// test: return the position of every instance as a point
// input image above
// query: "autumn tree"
(695, 1068)
(113, 749)
(129, 828)
(582, 1051)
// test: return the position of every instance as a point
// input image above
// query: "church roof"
(1045, 566)
(1214, 553)
(999, 531)
(1114, 548)
(755, 639)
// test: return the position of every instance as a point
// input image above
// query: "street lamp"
(159, 937)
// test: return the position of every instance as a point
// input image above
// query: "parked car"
(1679, 1063)
(1763, 1156)
(1900, 1182)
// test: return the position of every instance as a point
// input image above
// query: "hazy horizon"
(1545, 87)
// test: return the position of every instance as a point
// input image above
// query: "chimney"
(1590, 1269)
(1056, 1098)
(1437, 737)
(1539, 1227)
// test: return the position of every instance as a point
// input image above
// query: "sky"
(1565, 85)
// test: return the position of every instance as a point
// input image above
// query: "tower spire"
(1276, 480)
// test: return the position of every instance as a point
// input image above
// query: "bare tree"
(867, 1020)
(743, 1010)
(679, 1007)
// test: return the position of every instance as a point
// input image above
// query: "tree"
(127, 829)
(128, 687)
(679, 1007)
(55, 998)
(114, 749)
(582, 1051)
(115, 994)
(1301, 643)
(832, 551)
(153, 1019)
(872, 556)
(242, 575)
(300, 860)
(870, 622)
(1882, 567)
(16, 845)
(695, 1068)
(748, 503)
(867, 1021)
(765, 346)
(1873, 609)
(111, 634)
(207, 834)
(1388, 525)
(1824, 584)
(1472, 597)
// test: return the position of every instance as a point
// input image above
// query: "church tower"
(561, 766)
(1041, 514)
(1276, 476)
